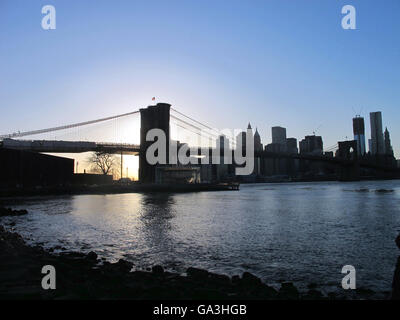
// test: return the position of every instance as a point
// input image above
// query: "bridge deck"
(56, 146)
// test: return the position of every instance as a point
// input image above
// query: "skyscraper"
(241, 137)
(291, 145)
(377, 144)
(359, 134)
(388, 145)
(222, 142)
(279, 135)
(257, 141)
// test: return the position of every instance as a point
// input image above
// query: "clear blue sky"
(280, 62)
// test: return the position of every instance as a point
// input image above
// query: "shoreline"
(86, 277)
(143, 188)
(83, 276)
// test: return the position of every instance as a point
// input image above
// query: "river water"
(300, 232)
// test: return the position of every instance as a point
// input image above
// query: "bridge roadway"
(55, 146)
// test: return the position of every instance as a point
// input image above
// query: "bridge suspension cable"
(69, 126)
(331, 148)
(217, 132)
(201, 133)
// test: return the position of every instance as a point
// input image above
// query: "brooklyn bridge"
(89, 136)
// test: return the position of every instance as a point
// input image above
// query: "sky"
(226, 63)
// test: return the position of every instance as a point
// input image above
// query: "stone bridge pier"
(348, 150)
(152, 117)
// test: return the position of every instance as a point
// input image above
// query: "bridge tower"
(348, 151)
(152, 117)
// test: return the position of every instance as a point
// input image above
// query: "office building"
(241, 137)
(388, 145)
(359, 134)
(279, 135)
(291, 145)
(257, 141)
(312, 144)
(377, 143)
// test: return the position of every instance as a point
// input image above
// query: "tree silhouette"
(102, 162)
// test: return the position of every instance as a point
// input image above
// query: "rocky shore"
(84, 276)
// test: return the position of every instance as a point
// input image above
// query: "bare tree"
(102, 162)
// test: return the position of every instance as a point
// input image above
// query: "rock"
(219, 279)
(9, 212)
(313, 295)
(92, 255)
(207, 294)
(288, 291)
(396, 277)
(264, 292)
(235, 279)
(124, 265)
(332, 295)
(197, 273)
(312, 285)
(398, 241)
(157, 270)
(364, 291)
(384, 190)
(249, 279)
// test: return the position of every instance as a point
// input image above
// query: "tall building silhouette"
(377, 144)
(257, 141)
(276, 166)
(311, 144)
(279, 135)
(291, 145)
(222, 142)
(388, 145)
(241, 137)
(359, 134)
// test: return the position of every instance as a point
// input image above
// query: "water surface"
(300, 232)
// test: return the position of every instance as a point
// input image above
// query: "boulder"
(249, 279)
(92, 255)
(10, 212)
(288, 291)
(158, 270)
(196, 273)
